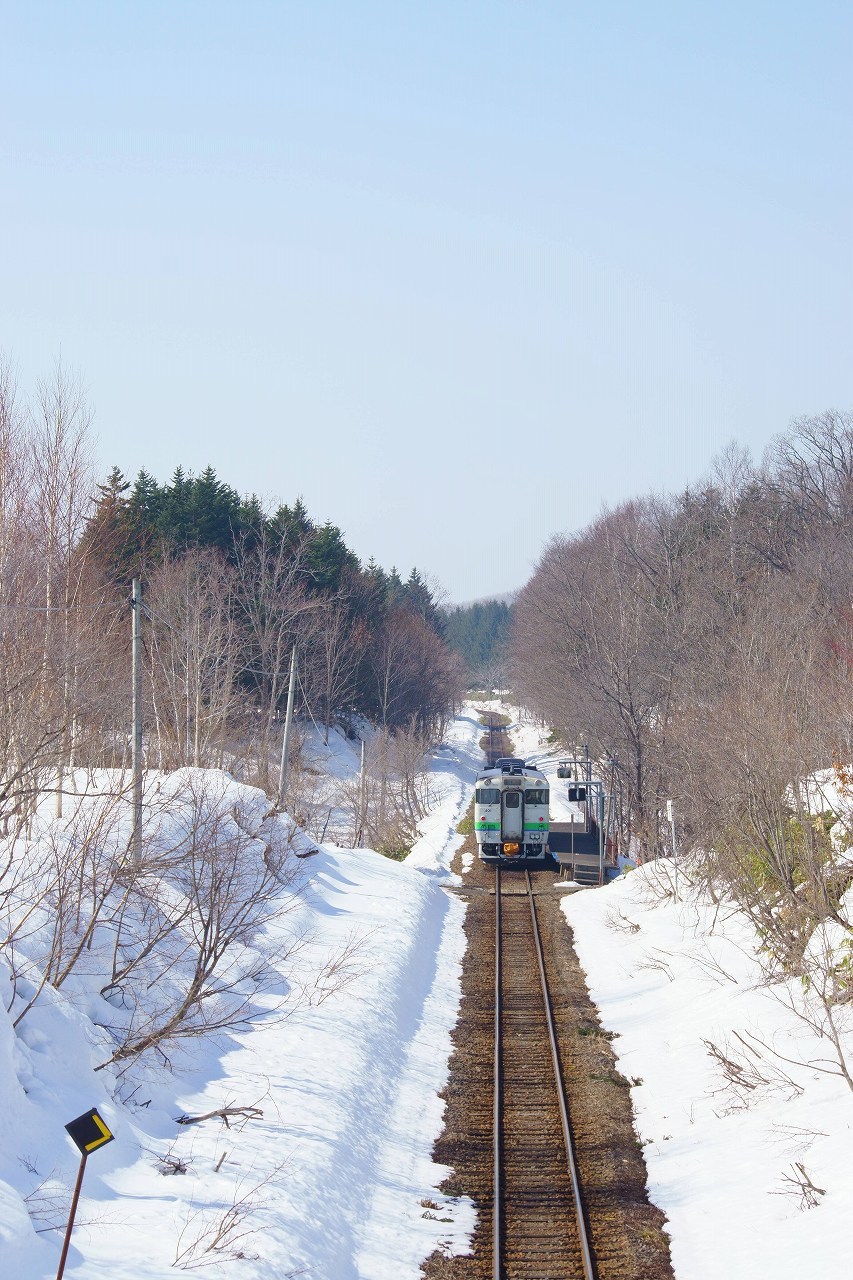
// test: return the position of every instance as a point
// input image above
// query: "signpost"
(88, 1132)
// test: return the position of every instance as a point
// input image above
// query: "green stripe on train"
(496, 826)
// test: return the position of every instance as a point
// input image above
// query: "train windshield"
(488, 795)
(535, 797)
(512, 799)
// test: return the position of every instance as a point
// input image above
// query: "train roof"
(510, 767)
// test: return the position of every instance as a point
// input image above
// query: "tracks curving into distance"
(538, 1227)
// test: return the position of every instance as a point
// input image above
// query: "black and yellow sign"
(89, 1132)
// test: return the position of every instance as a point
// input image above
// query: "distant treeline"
(135, 528)
(229, 589)
(480, 633)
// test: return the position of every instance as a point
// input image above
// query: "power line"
(54, 608)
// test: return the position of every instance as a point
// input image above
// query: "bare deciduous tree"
(193, 658)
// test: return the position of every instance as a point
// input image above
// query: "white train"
(511, 819)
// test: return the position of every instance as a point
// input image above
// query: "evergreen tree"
(479, 632)
(147, 496)
(173, 519)
(292, 524)
(329, 558)
(212, 512)
(113, 537)
(418, 599)
(395, 591)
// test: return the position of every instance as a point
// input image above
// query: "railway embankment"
(627, 1231)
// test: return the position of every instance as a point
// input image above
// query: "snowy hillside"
(335, 1003)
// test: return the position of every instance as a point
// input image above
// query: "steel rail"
(497, 1177)
(497, 1225)
(586, 1253)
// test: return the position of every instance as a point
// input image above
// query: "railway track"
(539, 1230)
(496, 741)
(527, 1197)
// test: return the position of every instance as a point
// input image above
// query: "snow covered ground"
(329, 1181)
(332, 1176)
(679, 983)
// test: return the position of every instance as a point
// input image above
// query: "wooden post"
(671, 815)
(71, 1216)
(361, 800)
(136, 741)
(288, 721)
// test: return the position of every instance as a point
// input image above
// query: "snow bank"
(680, 986)
(327, 1177)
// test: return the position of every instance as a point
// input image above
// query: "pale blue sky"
(455, 272)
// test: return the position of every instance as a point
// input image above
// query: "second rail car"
(511, 816)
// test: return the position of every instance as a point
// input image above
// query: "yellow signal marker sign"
(89, 1132)
(106, 1136)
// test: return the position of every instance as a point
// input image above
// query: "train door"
(512, 816)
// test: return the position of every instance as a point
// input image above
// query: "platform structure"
(580, 846)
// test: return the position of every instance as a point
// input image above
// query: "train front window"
(535, 797)
(512, 799)
(488, 795)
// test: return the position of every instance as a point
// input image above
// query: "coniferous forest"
(480, 633)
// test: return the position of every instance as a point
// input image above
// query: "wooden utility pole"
(71, 1216)
(136, 741)
(288, 722)
(671, 815)
(362, 779)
